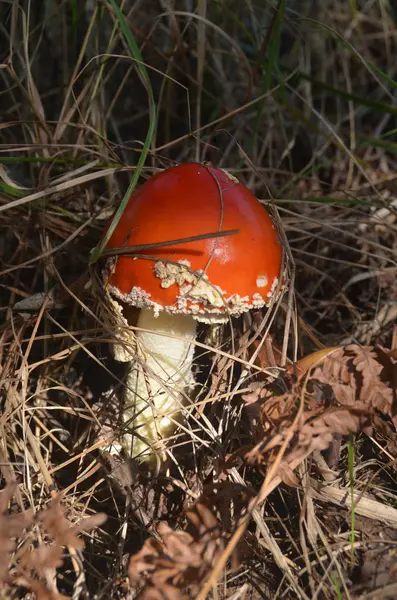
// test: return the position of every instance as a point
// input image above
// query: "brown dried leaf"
(143, 562)
(43, 558)
(167, 592)
(11, 527)
(38, 561)
(179, 560)
(287, 475)
(335, 368)
(373, 391)
(314, 431)
(317, 434)
(57, 525)
(345, 394)
(61, 530)
(312, 360)
(40, 591)
(359, 373)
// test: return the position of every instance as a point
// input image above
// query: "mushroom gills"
(159, 381)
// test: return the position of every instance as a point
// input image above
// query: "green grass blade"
(136, 54)
(7, 190)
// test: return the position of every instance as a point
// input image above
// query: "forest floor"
(282, 483)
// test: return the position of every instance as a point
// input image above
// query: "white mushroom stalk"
(158, 381)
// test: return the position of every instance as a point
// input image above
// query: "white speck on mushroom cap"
(261, 281)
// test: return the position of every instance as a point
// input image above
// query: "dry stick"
(79, 586)
(48, 433)
(263, 493)
(363, 505)
(126, 250)
(93, 447)
(84, 477)
(61, 187)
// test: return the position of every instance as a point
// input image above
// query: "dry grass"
(283, 476)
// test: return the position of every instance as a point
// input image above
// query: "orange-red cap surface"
(209, 277)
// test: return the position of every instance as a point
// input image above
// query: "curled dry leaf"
(312, 360)
(36, 562)
(361, 374)
(362, 379)
(375, 390)
(318, 433)
(314, 430)
(40, 591)
(11, 527)
(42, 558)
(60, 529)
(179, 559)
(206, 531)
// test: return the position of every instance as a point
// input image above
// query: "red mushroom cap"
(216, 276)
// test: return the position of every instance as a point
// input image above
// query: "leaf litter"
(252, 504)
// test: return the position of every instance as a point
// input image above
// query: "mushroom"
(177, 286)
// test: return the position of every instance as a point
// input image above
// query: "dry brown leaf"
(61, 530)
(312, 360)
(314, 430)
(36, 562)
(287, 475)
(360, 373)
(317, 434)
(44, 557)
(373, 391)
(361, 378)
(335, 369)
(40, 591)
(167, 592)
(181, 559)
(11, 527)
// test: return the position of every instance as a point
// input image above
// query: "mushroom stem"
(158, 382)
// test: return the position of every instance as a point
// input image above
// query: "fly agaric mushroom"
(206, 281)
